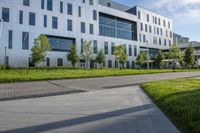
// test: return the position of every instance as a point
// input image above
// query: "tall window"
(31, 18)
(91, 2)
(61, 7)
(25, 40)
(95, 49)
(10, 39)
(147, 17)
(42, 4)
(82, 43)
(5, 14)
(144, 38)
(69, 9)
(150, 30)
(94, 15)
(45, 20)
(141, 26)
(20, 17)
(50, 5)
(91, 29)
(146, 28)
(139, 15)
(82, 27)
(26, 2)
(106, 48)
(112, 48)
(69, 25)
(135, 50)
(60, 62)
(130, 50)
(54, 22)
(125, 48)
(79, 11)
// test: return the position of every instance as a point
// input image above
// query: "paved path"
(57, 87)
(119, 110)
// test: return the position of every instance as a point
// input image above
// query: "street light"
(147, 54)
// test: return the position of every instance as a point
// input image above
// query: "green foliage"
(40, 49)
(189, 58)
(141, 59)
(159, 59)
(120, 54)
(87, 53)
(73, 56)
(179, 100)
(2, 67)
(50, 73)
(100, 58)
(176, 54)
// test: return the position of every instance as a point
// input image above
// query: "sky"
(184, 13)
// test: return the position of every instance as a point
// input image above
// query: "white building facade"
(105, 23)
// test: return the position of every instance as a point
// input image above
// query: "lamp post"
(147, 54)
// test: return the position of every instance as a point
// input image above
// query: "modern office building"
(64, 22)
(180, 40)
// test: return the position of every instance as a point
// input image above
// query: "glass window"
(135, 50)
(25, 40)
(158, 31)
(164, 24)
(82, 43)
(125, 48)
(169, 25)
(144, 38)
(82, 27)
(50, 5)
(42, 4)
(54, 22)
(31, 18)
(60, 43)
(47, 61)
(130, 50)
(45, 20)
(140, 38)
(61, 7)
(26, 2)
(161, 31)
(112, 48)
(10, 39)
(165, 42)
(94, 15)
(83, 1)
(139, 15)
(160, 42)
(150, 30)
(91, 29)
(146, 28)
(91, 2)
(60, 62)
(5, 14)
(69, 9)
(79, 11)
(141, 26)
(159, 21)
(106, 48)
(95, 50)
(155, 20)
(147, 17)
(69, 25)
(110, 64)
(20, 17)
(116, 27)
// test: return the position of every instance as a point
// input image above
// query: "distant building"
(178, 39)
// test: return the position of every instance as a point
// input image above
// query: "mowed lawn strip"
(16, 75)
(180, 100)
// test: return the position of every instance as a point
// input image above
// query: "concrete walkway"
(58, 87)
(119, 110)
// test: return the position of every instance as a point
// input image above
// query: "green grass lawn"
(180, 100)
(16, 75)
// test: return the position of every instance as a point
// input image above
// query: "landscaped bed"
(36, 74)
(180, 100)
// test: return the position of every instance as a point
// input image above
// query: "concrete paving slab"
(119, 110)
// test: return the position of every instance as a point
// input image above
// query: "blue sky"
(185, 14)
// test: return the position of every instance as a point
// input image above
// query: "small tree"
(40, 49)
(100, 58)
(87, 53)
(175, 54)
(189, 57)
(73, 56)
(141, 59)
(159, 59)
(120, 55)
